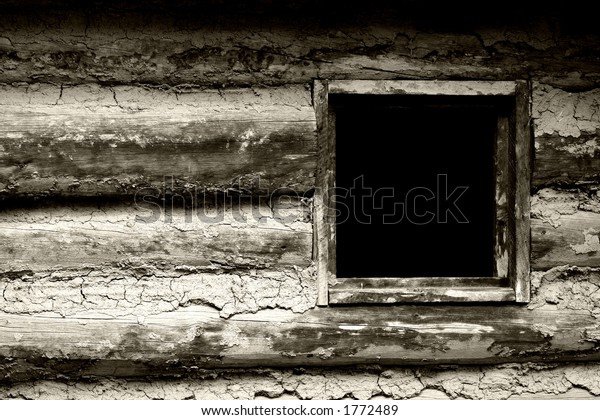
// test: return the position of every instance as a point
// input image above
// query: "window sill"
(419, 290)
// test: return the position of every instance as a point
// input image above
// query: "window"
(423, 191)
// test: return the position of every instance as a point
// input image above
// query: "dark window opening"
(415, 185)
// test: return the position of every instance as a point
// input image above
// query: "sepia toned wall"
(105, 295)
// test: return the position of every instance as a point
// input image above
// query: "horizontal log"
(240, 235)
(85, 146)
(257, 146)
(200, 47)
(566, 160)
(196, 337)
(573, 242)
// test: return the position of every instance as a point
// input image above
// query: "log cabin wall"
(206, 288)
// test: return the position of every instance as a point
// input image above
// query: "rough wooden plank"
(566, 160)
(197, 337)
(392, 295)
(573, 242)
(523, 165)
(503, 177)
(84, 146)
(382, 282)
(422, 87)
(390, 290)
(324, 228)
(243, 235)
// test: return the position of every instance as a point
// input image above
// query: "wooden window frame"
(513, 163)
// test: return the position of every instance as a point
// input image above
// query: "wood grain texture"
(203, 46)
(422, 87)
(87, 146)
(242, 235)
(573, 242)
(324, 220)
(561, 160)
(196, 337)
(503, 171)
(523, 167)
(423, 290)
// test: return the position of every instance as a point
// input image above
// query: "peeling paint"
(591, 242)
(487, 382)
(588, 148)
(566, 114)
(102, 259)
(549, 205)
(567, 287)
(121, 293)
(546, 330)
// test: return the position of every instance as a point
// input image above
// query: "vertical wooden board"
(321, 201)
(523, 162)
(502, 169)
(331, 205)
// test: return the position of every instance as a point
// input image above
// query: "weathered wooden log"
(210, 47)
(561, 160)
(573, 242)
(196, 337)
(93, 143)
(240, 234)
(85, 145)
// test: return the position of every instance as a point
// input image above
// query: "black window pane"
(415, 184)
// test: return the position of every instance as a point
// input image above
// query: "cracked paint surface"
(119, 293)
(71, 260)
(567, 287)
(486, 382)
(591, 242)
(549, 205)
(567, 114)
